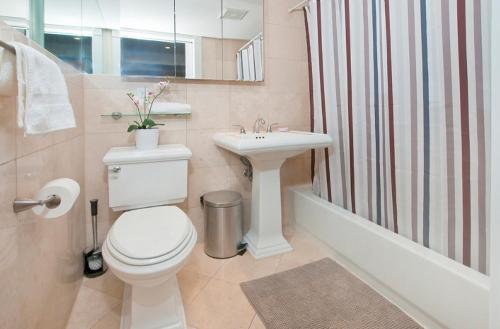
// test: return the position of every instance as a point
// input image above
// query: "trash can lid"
(222, 199)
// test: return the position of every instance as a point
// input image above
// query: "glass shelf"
(119, 115)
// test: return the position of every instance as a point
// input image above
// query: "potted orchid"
(146, 129)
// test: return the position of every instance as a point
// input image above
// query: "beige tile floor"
(209, 287)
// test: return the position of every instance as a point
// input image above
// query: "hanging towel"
(251, 63)
(245, 65)
(42, 103)
(171, 108)
(257, 50)
(7, 73)
(238, 65)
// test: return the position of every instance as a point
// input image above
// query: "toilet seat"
(149, 236)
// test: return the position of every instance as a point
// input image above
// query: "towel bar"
(8, 47)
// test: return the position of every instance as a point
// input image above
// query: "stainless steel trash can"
(223, 224)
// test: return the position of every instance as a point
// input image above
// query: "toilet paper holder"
(51, 202)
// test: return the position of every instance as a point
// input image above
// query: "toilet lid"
(150, 232)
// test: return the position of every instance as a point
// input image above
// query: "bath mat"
(322, 295)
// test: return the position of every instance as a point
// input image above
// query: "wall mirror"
(185, 39)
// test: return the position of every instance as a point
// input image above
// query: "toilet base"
(148, 307)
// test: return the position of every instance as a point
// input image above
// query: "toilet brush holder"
(93, 261)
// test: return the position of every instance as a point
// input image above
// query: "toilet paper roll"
(67, 189)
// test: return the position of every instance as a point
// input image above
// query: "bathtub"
(433, 289)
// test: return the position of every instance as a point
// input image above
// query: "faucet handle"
(270, 127)
(242, 129)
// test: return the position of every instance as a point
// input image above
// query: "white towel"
(251, 63)
(43, 104)
(238, 65)
(170, 108)
(7, 73)
(245, 64)
(257, 50)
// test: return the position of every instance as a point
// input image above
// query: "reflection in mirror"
(131, 37)
(243, 40)
(62, 32)
(199, 31)
(147, 39)
(16, 14)
(192, 39)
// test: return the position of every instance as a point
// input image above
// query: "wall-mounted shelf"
(119, 115)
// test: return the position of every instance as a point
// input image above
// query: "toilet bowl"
(150, 242)
(145, 248)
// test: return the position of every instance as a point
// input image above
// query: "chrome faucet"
(259, 123)
(270, 127)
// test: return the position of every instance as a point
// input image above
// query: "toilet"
(151, 241)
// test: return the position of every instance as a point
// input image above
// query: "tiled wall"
(40, 260)
(283, 98)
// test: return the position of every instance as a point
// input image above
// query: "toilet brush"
(94, 263)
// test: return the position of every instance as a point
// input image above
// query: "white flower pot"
(147, 139)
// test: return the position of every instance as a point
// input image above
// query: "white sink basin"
(267, 152)
(288, 144)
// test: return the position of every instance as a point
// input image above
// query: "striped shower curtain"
(401, 86)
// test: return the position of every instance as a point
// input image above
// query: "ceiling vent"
(234, 14)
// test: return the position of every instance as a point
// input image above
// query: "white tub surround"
(435, 290)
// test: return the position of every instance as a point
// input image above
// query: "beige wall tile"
(8, 192)
(205, 152)
(206, 179)
(280, 73)
(210, 108)
(276, 12)
(8, 124)
(285, 42)
(289, 109)
(248, 104)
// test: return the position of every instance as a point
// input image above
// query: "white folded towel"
(43, 104)
(170, 108)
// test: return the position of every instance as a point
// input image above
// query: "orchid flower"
(145, 121)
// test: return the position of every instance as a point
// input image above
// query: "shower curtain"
(401, 87)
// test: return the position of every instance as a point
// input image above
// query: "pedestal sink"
(267, 152)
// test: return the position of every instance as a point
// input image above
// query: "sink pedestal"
(267, 152)
(265, 237)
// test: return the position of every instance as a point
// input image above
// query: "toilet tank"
(146, 178)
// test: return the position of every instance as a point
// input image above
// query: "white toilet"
(150, 242)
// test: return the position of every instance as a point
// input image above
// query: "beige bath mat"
(322, 295)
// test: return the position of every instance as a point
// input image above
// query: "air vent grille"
(234, 14)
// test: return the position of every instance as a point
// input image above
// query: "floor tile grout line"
(201, 290)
